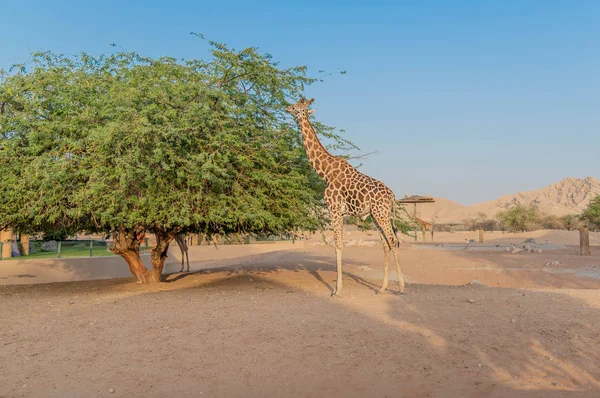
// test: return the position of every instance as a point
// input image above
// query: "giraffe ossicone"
(350, 193)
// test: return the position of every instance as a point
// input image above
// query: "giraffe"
(425, 226)
(350, 192)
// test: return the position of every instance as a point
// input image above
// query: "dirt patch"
(265, 326)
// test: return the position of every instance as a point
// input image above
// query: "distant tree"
(124, 145)
(519, 218)
(592, 213)
(570, 222)
(551, 222)
(471, 223)
(486, 223)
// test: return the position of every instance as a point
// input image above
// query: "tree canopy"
(125, 144)
(592, 212)
(519, 218)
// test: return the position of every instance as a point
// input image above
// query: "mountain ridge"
(567, 196)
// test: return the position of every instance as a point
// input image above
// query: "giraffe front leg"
(338, 233)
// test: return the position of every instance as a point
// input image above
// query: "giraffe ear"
(310, 101)
(311, 111)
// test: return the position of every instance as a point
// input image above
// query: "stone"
(34, 247)
(475, 282)
(15, 249)
(50, 246)
(530, 240)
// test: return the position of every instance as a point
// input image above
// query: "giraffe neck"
(317, 154)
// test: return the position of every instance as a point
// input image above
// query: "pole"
(91, 245)
(59, 247)
(584, 242)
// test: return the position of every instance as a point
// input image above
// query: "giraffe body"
(350, 192)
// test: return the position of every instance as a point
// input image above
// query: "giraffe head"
(300, 108)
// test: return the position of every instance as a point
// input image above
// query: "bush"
(519, 218)
(552, 222)
(571, 222)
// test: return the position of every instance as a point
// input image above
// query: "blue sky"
(466, 100)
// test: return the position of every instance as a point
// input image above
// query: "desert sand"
(471, 324)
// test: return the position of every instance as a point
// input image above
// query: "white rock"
(50, 246)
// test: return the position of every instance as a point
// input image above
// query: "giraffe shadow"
(272, 262)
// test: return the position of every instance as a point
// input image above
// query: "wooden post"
(91, 248)
(431, 235)
(481, 236)
(25, 244)
(6, 239)
(424, 234)
(584, 242)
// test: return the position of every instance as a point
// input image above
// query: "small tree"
(519, 218)
(592, 213)
(551, 222)
(570, 222)
(472, 223)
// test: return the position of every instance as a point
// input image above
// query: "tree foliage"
(592, 212)
(519, 218)
(125, 144)
(480, 222)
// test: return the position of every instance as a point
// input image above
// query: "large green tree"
(124, 144)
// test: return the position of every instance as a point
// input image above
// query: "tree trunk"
(127, 245)
(158, 254)
(584, 242)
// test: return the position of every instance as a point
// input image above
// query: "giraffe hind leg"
(391, 241)
(386, 253)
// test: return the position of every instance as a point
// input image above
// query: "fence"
(65, 249)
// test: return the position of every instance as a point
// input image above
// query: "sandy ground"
(265, 326)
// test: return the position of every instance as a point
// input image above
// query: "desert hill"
(567, 196)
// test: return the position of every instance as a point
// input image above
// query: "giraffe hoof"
(336, 295)
(381, 291)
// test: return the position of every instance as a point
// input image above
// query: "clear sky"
(463, 99)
